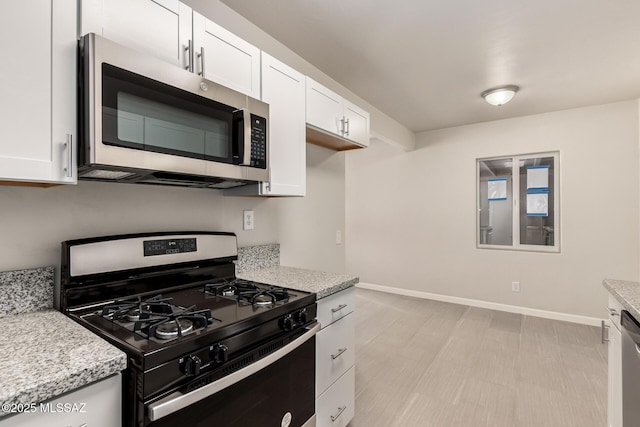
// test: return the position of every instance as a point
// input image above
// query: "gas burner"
(229, 289)
(167, 326)
(171, 329)
(263, 299)
(247, 292)
(133, 315)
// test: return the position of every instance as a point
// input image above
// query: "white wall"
(308, 225)
(411, 216)
(33, 221)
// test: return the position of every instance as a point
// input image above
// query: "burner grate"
(247, 292)
(131, 309)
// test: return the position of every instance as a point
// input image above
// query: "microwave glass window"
(143, 114)
(168, 128)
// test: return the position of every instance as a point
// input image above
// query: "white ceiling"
(425, 62)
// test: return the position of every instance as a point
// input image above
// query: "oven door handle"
(177, 401)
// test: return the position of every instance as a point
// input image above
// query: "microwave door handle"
(246, 144)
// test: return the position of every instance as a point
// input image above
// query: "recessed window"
(518, 203)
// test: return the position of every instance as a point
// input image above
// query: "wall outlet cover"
(247, 220)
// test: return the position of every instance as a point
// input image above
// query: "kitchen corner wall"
(411, 216)
(308, 224)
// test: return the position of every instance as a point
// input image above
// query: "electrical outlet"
(338, 237)
(248, 219)
(515, 286)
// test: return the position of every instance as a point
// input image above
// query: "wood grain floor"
(428, 363)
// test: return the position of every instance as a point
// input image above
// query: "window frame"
(515, 195)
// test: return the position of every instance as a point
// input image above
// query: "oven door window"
(144, 114)
(287, 386)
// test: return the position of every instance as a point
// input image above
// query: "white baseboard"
(584, 320)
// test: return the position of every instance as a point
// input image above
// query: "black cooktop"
(230, 314)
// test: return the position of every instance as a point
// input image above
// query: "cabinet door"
(324, 108)
(161, 28)
(225, 58)
(283, 88)
(96, 405)
(356, 127)
(38, 78)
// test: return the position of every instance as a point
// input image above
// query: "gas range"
(172, 302)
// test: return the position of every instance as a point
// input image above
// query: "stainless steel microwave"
(146, 121)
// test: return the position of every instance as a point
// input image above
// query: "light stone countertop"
(50, 354)
(627, 293)
(321, 283)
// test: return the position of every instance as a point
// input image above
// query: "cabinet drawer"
(335, 352)
(335, 408)
(615, 310)
(336, 306)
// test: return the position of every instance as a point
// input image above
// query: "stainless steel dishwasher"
(630, 370)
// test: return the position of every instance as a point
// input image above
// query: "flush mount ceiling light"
(500, 95)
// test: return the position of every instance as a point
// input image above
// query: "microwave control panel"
(258, 142)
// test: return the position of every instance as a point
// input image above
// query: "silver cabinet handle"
(69, 147)
(346, 131)
(338, 308)
(339, 353)
(342, 126)
(604, 336)
(201, 56)
(188, 51)
(613, 312)
(340, 411)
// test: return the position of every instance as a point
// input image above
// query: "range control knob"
(286, 323)
(301, 316)
(192, 365)
(219, 353)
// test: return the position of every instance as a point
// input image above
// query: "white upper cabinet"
(38, 87)
(162, 28)
(225, 58)
(283, 88)
(324, 107)
(356, 124)
(329, 115)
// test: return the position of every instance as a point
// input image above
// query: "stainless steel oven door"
(278, 390)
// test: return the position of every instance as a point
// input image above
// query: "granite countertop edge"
(64, 366)
(627, 293)
(322, 283)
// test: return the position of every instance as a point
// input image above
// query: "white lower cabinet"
(96, 405)
(335, 359)
(614, 413)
